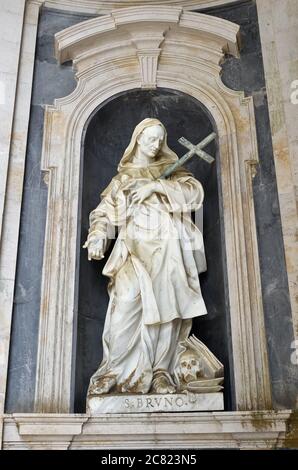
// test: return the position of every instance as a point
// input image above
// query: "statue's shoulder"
(180, 172)
(116, 182)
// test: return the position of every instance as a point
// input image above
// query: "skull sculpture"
(190, 368)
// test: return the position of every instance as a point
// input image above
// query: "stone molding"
(102, 7)
(106, 61)
(221, 430)
(79, 41)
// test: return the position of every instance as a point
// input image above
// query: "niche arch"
(105, 140)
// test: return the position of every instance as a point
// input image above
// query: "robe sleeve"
(108, 215)
(183, 193)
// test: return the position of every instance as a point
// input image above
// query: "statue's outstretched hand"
(95, 248)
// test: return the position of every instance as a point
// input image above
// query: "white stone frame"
(18, 26)
(135, 48)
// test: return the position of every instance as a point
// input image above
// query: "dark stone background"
(52, 81)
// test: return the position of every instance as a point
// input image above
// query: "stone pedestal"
(137, 403)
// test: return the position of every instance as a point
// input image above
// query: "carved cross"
(193, 150)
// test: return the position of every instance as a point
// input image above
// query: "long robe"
(154, 271)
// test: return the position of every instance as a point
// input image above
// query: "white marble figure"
(154, 266)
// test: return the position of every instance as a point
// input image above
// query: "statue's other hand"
(95, 248)
(139, 195)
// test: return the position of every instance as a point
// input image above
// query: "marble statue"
(153, 269)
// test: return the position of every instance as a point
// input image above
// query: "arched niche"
(105, 138)
(149, 48)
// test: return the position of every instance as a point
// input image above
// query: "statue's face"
(150, 141)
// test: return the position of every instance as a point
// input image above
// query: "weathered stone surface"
(200, 430)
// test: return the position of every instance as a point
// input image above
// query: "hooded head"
(164, 156)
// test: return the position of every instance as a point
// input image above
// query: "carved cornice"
(222, 430)
(35, 2)
(146, 25)
(101, 7)
(142, 33)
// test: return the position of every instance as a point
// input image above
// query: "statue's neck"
(141, 159)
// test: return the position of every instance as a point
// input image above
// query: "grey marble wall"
(52, 81)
